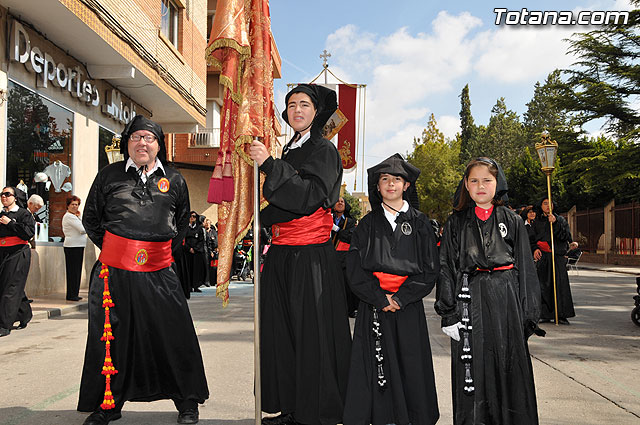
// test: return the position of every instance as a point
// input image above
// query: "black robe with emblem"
(196, 260)
(305, 337)
(410, 395)
(347, 225)
(541, 232)
(505, 308)
(14, 268)
(155, 349)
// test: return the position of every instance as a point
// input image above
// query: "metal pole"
(553, 250)
(256, 292)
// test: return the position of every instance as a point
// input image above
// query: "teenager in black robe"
(17, 227)
(489, 298)
(305, 337)
(343, 227)
(137, 213)
(195, 252)
(392, 265)
(541, 248)
(211, 251)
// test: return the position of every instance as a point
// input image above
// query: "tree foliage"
(438, 160)
(354, 203)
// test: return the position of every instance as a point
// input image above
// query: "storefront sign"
(71, 79)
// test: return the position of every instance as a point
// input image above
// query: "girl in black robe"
(489, 298)
(541, 248)
(391, 379)
(305, 337)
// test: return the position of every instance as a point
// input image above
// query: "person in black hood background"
(343, 226)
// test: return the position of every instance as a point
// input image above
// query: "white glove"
(335, 228)
(453, 330)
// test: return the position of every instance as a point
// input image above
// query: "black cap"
(395, 165)
(324, 100)
(142, 123)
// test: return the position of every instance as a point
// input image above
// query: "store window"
(169, 21)
(105, 138)
(39, 146)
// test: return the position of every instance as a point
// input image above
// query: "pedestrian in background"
(343, 226)
(194, 248)
(75, 239)
(16, 229)
(392, 265)
(489, 298)
(211, 251)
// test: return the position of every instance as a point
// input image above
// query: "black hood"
(395, 165)
(142, 123)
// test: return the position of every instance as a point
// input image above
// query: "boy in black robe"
(305, 337)
(392, 265)
(489, 298)
(141, 344)
(16, 229)
(343, 227)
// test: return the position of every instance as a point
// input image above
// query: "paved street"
(586, 373)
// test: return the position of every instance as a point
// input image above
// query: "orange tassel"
(107, 335)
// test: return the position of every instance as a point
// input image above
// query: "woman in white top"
(75, 239)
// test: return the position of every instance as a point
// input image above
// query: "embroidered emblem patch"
(503, 229)
(141, 257)
(276, 231)
(406, 228)
(163, 185)
(3, 242)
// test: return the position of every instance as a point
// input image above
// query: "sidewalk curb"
(59, 311)
(623, 270)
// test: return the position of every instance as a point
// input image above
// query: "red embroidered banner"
(347, 96)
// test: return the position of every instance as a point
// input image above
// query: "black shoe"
(4, 332)
(21, 326)
(188, 416)
(544, 321)
(74, 298)
(282, 419)
(29, 301)
(102, 417)
(197, 290)
(563, 321)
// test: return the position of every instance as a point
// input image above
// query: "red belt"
(496, 269)
(544, 246)
(390, 282)
(307, 230)
(11, 241)
(134, 255)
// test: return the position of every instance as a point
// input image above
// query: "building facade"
(73, 73)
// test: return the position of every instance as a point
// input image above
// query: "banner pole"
(256, 293)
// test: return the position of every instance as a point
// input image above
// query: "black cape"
(410, 396)
(504, 311)
(540, 231)
(155, 349)
(305, 337)
(14, 269)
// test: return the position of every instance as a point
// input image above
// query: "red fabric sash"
(390, 282)
(307, 230)
(342, 246)
(496, 269)
(544, 246)
(11, 241)
(134, 255)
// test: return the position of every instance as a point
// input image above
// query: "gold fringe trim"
(229, 43)
(239, 142)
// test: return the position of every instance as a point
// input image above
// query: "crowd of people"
(491, 268)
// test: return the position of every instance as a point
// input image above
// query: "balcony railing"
(205, 138)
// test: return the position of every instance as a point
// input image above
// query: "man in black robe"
(392, 265)
(343, 227)
(540, 237)
(194, 248)
(141, 344)
(16, 229)
(305, 337)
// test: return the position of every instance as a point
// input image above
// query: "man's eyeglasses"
(149, 138)
(7, 194)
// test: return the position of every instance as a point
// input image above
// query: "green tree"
(437, 159)
(354, 203)
(467, 127)
(503, 139)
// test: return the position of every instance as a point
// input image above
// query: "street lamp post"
(547, 150)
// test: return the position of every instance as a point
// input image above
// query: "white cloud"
(449, 125)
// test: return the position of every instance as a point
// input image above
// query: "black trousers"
(14, 269)
(73, 259)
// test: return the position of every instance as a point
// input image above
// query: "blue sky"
(415, 56)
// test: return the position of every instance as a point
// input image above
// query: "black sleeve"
(363, 283)
(92, 216)
(183, 208)
(302, 191)
(419, 286)
(24, 225)
(446, 303)
(529, 287)
(345, 233)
